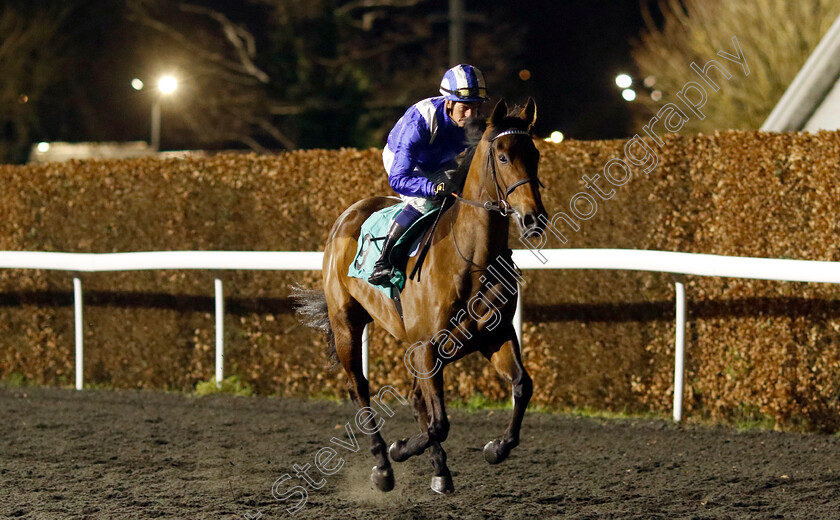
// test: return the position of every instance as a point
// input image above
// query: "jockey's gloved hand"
(444, 188)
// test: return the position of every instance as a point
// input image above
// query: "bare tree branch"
(252, 143)
(303, 107)
(241, 39)
(369, 4)
(141, 15)
(326, 58)
(279, 136)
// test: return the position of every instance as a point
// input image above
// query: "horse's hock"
(591, 338)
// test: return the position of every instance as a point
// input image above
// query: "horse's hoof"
(383, 479)
(442, 485)
(396, 451)
(492, 452)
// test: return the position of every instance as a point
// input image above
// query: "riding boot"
(383, 270)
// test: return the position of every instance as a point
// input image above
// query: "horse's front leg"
(430, 412)
(401, 450)
(439, 431)
(507, 360)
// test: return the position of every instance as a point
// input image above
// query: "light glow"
(623, 80)
(167, 84)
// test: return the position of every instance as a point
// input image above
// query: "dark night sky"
(574, 49)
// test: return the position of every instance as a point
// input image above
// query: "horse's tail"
(311, 308)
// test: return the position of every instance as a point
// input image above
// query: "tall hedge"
(591, 338)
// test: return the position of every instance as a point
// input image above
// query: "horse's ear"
(499, 113)
(529, 113)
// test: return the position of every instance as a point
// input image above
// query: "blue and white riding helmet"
(463, 83)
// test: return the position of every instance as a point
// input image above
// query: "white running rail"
(617, 259)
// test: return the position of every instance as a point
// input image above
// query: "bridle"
(500, 204)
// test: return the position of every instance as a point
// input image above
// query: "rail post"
(679, 348)
(365, 350)
(517, 317)
(220, 332)
(80, 337)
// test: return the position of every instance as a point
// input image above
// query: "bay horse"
(501, 180)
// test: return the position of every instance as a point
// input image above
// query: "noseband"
(500, 204)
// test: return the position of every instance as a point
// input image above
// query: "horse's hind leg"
(348, 324)
(507, 360)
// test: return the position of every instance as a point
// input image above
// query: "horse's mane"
(474, 131)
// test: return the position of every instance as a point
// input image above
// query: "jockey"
(426, 140)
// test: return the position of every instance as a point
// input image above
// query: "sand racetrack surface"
(131, 454)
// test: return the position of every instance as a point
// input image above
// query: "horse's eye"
(503, 159)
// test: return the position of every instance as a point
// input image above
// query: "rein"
(500, 204)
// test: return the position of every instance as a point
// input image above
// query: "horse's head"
(512, 162)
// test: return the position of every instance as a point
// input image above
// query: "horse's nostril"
(533, 227)
(529, 221)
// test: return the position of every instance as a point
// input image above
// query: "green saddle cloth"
(368, 252)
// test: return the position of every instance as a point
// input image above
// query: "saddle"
(416, 240)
